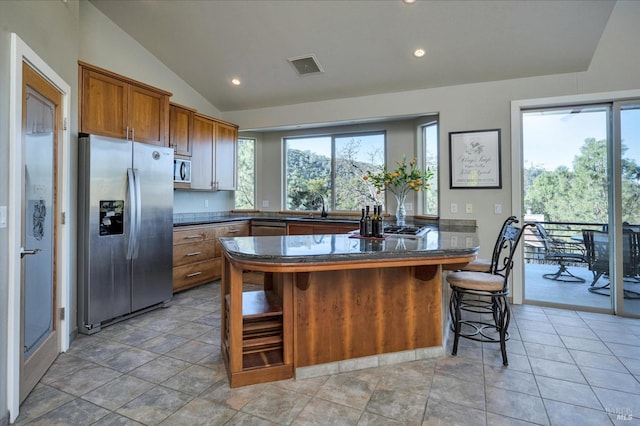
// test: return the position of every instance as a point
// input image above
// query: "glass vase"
(401, 213)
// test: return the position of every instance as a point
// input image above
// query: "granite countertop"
(344, 247)
(185, 219)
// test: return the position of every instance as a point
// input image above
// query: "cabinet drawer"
(193, 234)
(193, 252)
(196, 273)
(233, 229)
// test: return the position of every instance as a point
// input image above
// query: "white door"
(40, 316)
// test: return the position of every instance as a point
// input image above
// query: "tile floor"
(164, 367)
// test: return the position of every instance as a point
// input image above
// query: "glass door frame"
(617, 100)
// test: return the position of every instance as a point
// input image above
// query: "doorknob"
(24, 252)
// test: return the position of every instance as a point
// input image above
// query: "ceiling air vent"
(306, 65)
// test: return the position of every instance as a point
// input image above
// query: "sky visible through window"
(554, 139)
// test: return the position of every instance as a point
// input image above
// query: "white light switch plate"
(265, 203)
(3, 216)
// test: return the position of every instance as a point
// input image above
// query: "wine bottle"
(374, 222)
(378, 225)
(368, 224)
(362, 230)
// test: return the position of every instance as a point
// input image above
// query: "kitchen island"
(333, 301)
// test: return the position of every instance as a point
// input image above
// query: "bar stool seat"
(474, 280)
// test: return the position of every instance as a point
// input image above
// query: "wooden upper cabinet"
(104, 105)
(202, 152)
(226, 146)
(180, 129)
(115, 106)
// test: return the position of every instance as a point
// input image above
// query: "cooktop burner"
(405, 230)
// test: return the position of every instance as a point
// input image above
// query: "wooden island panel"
(349, 314)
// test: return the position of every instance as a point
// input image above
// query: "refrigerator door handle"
(133, 207)
(138, 211)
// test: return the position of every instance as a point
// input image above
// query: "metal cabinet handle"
(195, 253)
(24, 252)
(190, 237)
(195, 274)
(233, 231)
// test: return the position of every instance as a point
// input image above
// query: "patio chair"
(597, 255)
(563, 253)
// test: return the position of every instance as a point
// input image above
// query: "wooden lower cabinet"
(319, 228)
(196, 252)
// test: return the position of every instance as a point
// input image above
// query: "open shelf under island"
(331, 298)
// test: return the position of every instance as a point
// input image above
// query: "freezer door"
(152, 281)
(104, 273)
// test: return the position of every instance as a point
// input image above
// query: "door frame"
(517, 202)
(20, 53)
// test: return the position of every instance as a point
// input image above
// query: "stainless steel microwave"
(181, 170)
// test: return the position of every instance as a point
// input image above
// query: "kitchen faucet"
(324, 213)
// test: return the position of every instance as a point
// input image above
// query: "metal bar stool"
(485, 293)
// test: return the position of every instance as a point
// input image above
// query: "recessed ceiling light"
(235, 81)
(418, 53)
(409, 1)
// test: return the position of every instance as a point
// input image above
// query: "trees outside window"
(246, 187)
(331, 168)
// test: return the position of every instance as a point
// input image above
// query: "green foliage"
(581, 194)
(244, 194)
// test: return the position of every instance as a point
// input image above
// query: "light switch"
(206, 203)
(454, 208)
(469, 208)
(408, 206)
(265, 203)
(497, 208)
(3, 216)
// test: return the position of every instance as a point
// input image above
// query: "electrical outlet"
(206, 203)
(454, 208)
(469, 208)
(497, 208)
(469, 242)
(265, 203)
(454, 241)
(408, 206)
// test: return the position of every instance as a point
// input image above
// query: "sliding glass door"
(628, 115)
(581, 186)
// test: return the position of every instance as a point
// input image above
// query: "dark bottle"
(362, 224)
(378, 224)
(368, 224)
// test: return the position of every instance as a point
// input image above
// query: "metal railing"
(567, 232)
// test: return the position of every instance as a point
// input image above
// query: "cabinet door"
(226, 142)
(299, 229)
(104, 105)
(148, 116)
(202, 153)
(180, 129)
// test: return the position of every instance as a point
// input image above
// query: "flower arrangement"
(405, 178)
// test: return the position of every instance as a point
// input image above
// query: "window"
(430, 143)
(245, 194)
(331, 168)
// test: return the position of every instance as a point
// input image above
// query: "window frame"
(332, 175)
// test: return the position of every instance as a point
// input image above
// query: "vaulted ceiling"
(364, 47)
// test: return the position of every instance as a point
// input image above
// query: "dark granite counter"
(337, 248)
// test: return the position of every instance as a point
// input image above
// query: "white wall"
(51, 30)
(615, 66)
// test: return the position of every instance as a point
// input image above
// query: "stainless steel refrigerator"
(125, 229)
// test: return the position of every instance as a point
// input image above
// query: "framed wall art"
(474, 159)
